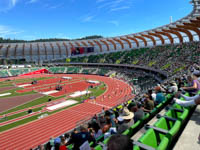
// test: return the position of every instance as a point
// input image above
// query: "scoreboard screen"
(81, 50)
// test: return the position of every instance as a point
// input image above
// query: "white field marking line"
(5, 94)
(61, 105)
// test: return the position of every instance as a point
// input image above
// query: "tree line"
(8, 40)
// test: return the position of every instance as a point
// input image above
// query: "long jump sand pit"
(10, 102)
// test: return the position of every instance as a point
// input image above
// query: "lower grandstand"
(117, 84)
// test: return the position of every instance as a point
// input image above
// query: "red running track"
(38, 132)
(68, 86)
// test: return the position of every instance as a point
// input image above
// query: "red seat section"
(36, 72)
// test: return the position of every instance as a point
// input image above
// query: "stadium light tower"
(171, 19)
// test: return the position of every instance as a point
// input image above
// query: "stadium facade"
(186, 29)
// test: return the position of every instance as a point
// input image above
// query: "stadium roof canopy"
(186, 29)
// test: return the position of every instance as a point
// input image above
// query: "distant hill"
(3, 40)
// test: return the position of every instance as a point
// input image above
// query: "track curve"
(38, 132)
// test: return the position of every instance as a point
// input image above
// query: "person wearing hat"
(125, 120)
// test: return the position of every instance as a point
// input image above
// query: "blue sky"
(34, 19)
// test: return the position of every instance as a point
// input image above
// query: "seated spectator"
(138, 113)
(50, 144)
(62, 144)
(67, 137)
(159, 96)
(110, 132)
(78, 138)
(148, 103)
(173, 88)
(127, 117)
(40, 147)
(94, 118)
(152, 94)
(149, 93)
(180, 83)
(96, 130)
(102, 120)
(116, 113)
(195, 84)
(121, 126)
(120, 142)
(57, 142)
(132, 104)
(196, 70)
(109, 114)
(108, 124)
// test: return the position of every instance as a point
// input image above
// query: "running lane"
(38, 132)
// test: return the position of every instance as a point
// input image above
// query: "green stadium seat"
(177, 112)
(4, 73)
(172, 126)
(133, 129)
(98, 147)
(154, 139)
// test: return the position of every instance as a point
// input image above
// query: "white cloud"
(6, 5)
(88, 18)
(6, 31)
(100, 1)
(119, 8)
(49, 6)
(114, 5)
(114, 22)
(32, 1)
